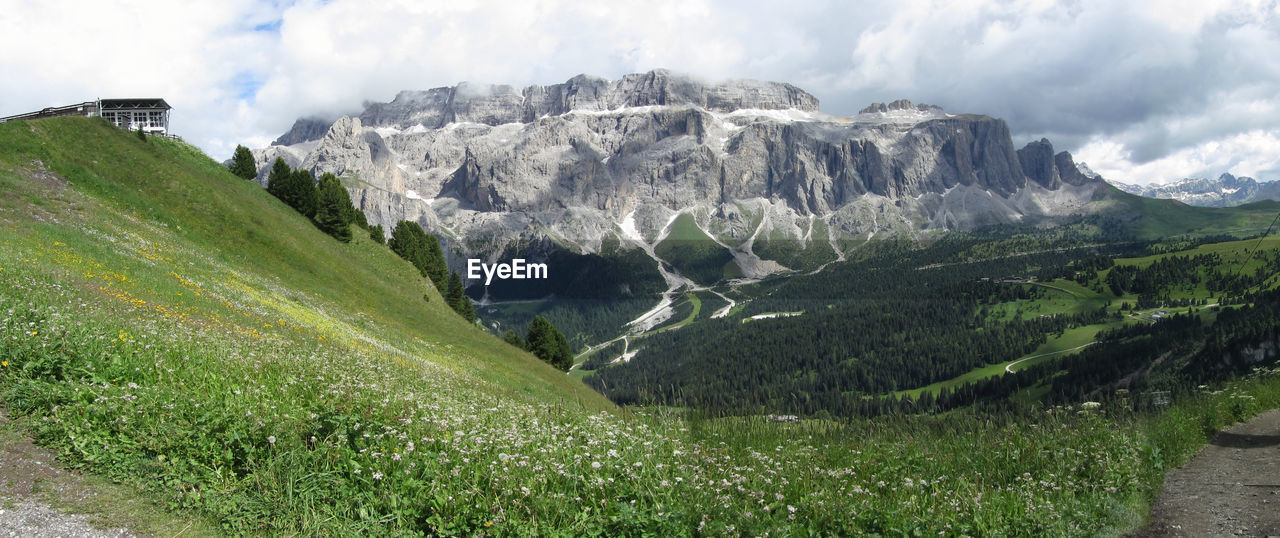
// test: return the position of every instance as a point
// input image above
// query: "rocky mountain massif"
(593, 164)
(1226, 191)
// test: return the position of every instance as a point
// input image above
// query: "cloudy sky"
(1143, 91)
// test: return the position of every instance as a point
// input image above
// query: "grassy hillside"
(175, 217)
(149, 296)
(1152, 218)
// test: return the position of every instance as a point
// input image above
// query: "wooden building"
(149, 114)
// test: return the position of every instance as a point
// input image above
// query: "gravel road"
(36, 520)
(1231, 488)
(26, 469)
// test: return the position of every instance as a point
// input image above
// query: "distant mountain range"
(1226, 191)
(592, 162)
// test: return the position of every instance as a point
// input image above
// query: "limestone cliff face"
(496, 105)
(591, 158)
(303, 130)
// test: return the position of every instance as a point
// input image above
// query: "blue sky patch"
(271, 26)
(246, 85)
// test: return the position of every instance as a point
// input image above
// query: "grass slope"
(1160, 218)
(189, 200)
(252, 351)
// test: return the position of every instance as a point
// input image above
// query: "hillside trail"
(1231, 488)
(28, 474)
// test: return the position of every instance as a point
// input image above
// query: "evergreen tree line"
(1174, 354)
(603, 356)
(898, 317)
(544, 341)
(895, 270)
(326, 203)
(837, 357)
(422, 249)
(329, 206)
(1154, 283)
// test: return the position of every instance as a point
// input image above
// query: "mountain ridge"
(487, 166)
(1225, 191)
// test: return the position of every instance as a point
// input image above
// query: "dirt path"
(1231, 488)
(39, 497)
(27, 474)
(38, 520)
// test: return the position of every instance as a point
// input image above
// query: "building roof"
(51, 111)
(135, 103)
(89, 107)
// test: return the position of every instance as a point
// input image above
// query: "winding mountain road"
(1008, 368)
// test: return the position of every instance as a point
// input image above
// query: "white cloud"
(1158, 80)
(1254, 153)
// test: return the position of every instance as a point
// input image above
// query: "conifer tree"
(467, 310)
(406, 243)
(301, 192)
(546, 342)
(376, 234)
(278, 178)
(333, 208)
(457, 298)
(242, 163)
(358, 217)
(456, 290)
(422, 250)
(436, 269)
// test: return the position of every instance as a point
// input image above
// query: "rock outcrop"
(303, 130)
(1039, 164)
(899, 106)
